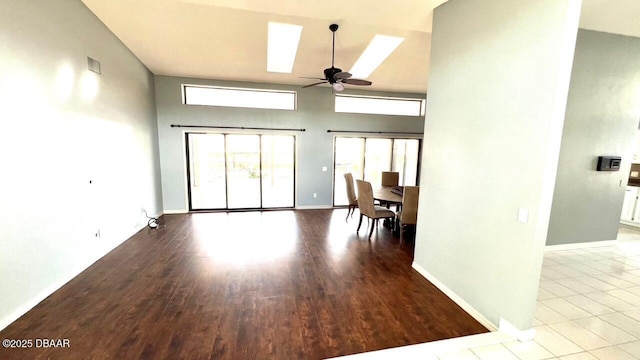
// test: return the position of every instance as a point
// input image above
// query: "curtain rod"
(233, 127)
(374, 132)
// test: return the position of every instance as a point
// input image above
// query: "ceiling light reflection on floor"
(339, 227)
(245, 238)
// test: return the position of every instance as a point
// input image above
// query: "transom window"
(239, 97)
(379, 105)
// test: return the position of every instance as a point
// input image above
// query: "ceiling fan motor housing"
(330, 73)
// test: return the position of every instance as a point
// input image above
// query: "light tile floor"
(588, 308)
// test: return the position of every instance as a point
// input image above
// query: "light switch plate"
(324, 168)
(523, 215)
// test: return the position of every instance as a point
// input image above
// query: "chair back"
(365, 198)
(351, 193)
(409, 214)
(390, 178)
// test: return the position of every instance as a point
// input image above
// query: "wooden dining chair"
(390, 178)
(408, 216)
(368, 209)
(351, 194)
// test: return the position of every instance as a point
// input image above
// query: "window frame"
(368, 136)
(188, 171)
(291, 107)
(367, 109)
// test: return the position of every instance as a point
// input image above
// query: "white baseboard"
(630, 223)
(432, 349)
(584, 245)
(25, 307)
(175, 211)
(313, 207)
(456, 299)
(31, 303)
(299, 207)
(522, 335)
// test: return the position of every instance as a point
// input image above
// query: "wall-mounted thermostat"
(609, 163)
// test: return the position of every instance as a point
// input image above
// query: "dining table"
(384, 194)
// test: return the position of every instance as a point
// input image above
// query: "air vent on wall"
(94, 65)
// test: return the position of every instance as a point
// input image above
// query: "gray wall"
(315, 113)
(602, 119)
(497, 96)
(57, 136)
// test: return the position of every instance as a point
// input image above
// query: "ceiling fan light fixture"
(375, 54)
(335, 76)
(282, 46)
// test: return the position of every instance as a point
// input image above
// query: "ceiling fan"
(334, 76)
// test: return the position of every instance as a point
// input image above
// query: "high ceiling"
(227, 39)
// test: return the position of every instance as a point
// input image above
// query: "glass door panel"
(377, 159)
(349, 158)
(207, 181)
(277, 171)
(411, 162)
(243, 171)
(405, 160)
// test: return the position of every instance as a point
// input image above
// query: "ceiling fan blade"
(312, 78)
(342, 75)
(314, 84)
(357, 82)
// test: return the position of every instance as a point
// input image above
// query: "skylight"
(282, 46)
(378, 50)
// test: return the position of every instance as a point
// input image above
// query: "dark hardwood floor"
(251, 285)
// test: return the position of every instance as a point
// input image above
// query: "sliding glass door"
(207, 171)
(348, 158)
(367, 158)
(278, 170)
(243, 171)
(239, 171)
(405, 160)
(377, 158)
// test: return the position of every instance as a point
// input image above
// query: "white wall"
(497, 94)
(61, 127)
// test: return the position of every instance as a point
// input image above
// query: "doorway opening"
(240, 171)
